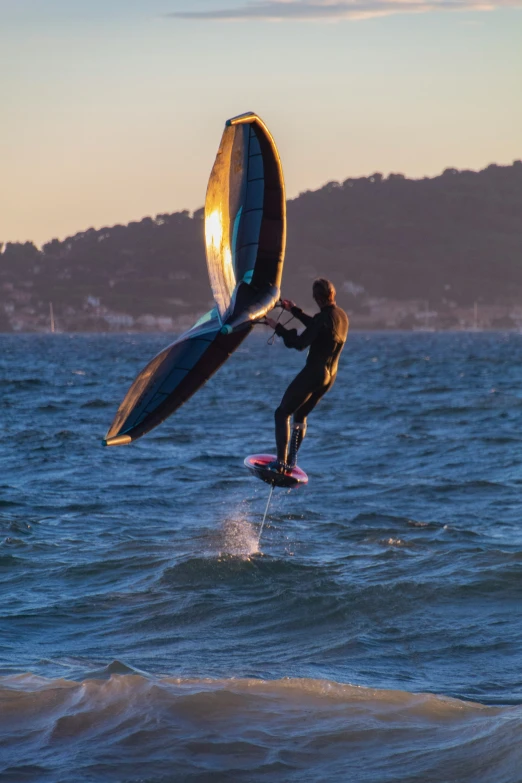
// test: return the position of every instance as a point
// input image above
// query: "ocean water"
(373, 634)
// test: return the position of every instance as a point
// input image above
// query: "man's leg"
(297, 394)
(299, 422)
(297, 434)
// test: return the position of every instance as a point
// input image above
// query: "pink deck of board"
(257, 465)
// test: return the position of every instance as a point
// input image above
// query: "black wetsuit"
(325, 336)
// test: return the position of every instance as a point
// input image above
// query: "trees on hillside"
(454, 237)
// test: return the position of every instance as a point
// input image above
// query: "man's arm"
(301, 316)
(297, 312)
(299, 341)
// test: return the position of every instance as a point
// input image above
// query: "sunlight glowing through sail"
(216, 237)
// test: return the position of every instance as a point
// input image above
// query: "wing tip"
(117, 440)
(246, 117)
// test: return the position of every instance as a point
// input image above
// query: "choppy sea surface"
(373, 634)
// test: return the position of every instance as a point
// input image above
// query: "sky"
(112, 110)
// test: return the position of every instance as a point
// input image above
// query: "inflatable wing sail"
(245, 233)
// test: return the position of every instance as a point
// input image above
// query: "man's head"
(323, 292)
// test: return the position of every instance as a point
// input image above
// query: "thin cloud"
(338, 10)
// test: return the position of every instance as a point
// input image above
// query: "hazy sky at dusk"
(113, 109)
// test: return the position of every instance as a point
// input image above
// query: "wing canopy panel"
(245, 235)
(245, 216)
(218, 239)
(168, 381)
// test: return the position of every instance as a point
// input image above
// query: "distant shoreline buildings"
(371, 314)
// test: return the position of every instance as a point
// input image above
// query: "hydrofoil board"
(257, 464)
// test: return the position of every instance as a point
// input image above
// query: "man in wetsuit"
(325, 336)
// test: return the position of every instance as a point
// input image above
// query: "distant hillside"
(456, 237)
